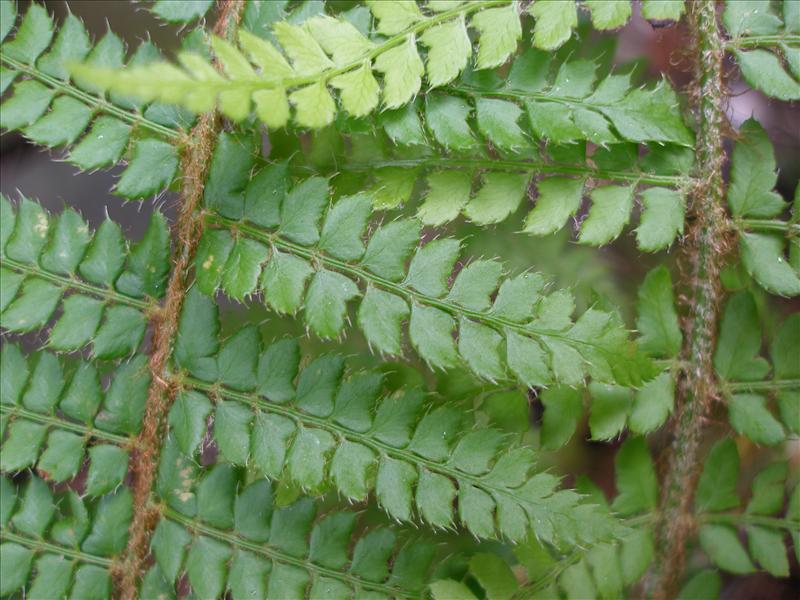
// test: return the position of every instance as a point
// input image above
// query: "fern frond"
(523, 330)
(494, 196)
(763, 238)
(104, 287)
(52, 109)
(561, 106)
(603, 570)
(330, 52)
(766, 46)
(487, 189)
(66, 404)
(56, 544)
(737, 360)
(766, 531)
(318, 430)
(234, 536)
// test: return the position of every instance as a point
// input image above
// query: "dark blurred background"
(609, 274)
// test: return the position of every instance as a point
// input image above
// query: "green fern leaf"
(52, 110)
(637, 486)
(765, 46)
(40, 261)
(500, 31)
(740, 341)
(325, 51)
(240, 539)
(554, 22)
(181, 11)
(354, 422)
(657, 317)
(608, 14)
(662, 218)
(33, 37)
(51, 544)
(8, 13)
(764, 71)
(595, 343)
(449, 51)
(658, 10)
(611, 207)
(753, 175)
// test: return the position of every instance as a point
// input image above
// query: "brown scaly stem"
(702, 260)
(188, 228)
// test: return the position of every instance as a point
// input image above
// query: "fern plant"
(306, 384)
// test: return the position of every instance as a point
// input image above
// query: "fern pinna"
(312, 380)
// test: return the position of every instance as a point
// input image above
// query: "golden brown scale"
(196, 158)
